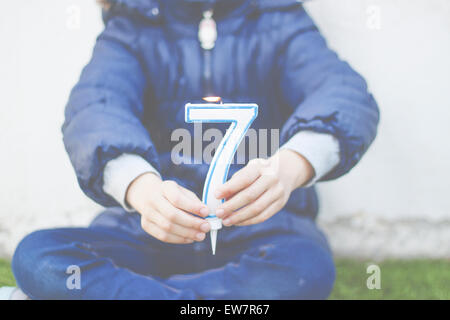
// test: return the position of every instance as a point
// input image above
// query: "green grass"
(410, 279)
(6, 276)
(420, 279)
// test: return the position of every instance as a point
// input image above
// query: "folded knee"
(28, 249)
(33, 263)
(301, 270)
(314, 278)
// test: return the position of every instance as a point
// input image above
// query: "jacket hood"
(151, 9)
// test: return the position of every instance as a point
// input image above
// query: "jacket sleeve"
(324, 93)
(103, 115)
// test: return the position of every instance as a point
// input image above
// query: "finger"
(173, 192)
(190, 194)
(152, 229)
(204, 211)
(176, 229)
(182, 218)
(240, 180)
(246, 196)
(266, 214)
(254, 209)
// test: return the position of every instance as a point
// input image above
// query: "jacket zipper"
(207, 36)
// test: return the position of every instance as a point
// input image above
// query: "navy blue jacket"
(148, 63)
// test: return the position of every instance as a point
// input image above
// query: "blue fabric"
(286, 257)
(147, 64)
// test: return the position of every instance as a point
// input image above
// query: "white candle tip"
(213, 235)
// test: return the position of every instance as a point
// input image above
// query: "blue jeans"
(286, 257)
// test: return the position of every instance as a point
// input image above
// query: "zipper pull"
(207, 31)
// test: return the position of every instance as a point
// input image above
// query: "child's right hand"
(164, 207)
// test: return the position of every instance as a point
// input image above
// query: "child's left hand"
(262, 188)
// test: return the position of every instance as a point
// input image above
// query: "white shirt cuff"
(120, 172)
(320, 149)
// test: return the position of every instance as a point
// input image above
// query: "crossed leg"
(116, 265)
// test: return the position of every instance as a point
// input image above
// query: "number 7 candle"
(241, 116)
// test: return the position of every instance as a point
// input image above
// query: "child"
(149, 243)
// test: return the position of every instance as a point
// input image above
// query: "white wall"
(42, 53)
(394, 203)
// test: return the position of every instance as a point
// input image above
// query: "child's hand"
(262, 188)
(164, 207)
